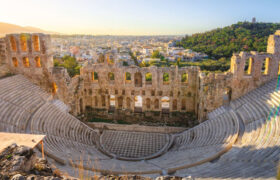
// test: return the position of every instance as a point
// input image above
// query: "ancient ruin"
(238, 111)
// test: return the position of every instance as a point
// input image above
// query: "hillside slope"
(6, 28)
(222, 42)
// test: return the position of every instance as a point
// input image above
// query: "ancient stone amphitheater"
(239, 140)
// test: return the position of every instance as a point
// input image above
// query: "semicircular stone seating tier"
(240, 141)
(133, 145)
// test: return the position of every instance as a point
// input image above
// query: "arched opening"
(148, 103)
(112, 101)
(165, 78)
(81, 106)
(227, 95)
(120, 102)
(148, 78)
(101, 58)
(183, 105)
(36, 43)
(38, 61)
(128, 103)
(103, 101)
(110, 59)
(265, 66)
(54, 88)
(25, 62)
(90, 92)
(94, 76)
(165, 104)
(111, 76)
(174, 104)
(185, 78)
(13, 43)
(23, 42)
(138, 79)
(127, 77)
(15, 61)
(138, 104)
(95, 101)
(248, 66)
(156, 104)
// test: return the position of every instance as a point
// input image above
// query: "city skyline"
(123, 17)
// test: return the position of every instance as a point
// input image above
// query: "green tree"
(70, 63)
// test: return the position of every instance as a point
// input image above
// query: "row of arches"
(26, 63)
(249, 65)
(138, 78)
(23, 42)
(138, 102)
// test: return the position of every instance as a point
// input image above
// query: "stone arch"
(15, 61)
(103, 101)
(95, 101)
(165, 104)
(36, 42)
(148, 103)
(165, 78)
(265, 66)
(25, 62)
(111, 76)
(127, 77)
(138, 79)
(94, 76)
(156, 104)
(38, 61)
(148, 78)
(138, 103)
(183, 104)
(23, 42)
(248, 66)
(81, 106)
(174, 104)
(227, 95)
(54, 88)
(185, 78)
(128, 103)
(120, 102)
(13, 43)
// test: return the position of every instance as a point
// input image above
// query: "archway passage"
(112, 100)
(165, 104)
(227, 95)
(138, 104)
(138, 79)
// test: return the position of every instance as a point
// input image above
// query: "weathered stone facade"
(113, 88)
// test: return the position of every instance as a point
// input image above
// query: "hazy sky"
(135, 17)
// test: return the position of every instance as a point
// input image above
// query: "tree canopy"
(222, 42)
(70, 63)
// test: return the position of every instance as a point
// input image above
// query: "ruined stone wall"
(199, 92)
(30, 55)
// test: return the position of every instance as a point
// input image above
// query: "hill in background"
(222, 42)
(6, 28)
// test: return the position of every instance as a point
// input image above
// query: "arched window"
(95, 101)
(54, 88)
(265, 66)
(111, 76)
(112, 100)
(248, 66)
(148, 78)
(94, 76)
(103, 101)
(138, 79)
(25, 62)
(120, 102)
(15, 61)
(148, 103)
(174, 104)
(138, 104)
(165, 104)
(13, 43)
(156, 104)
(128, 103)
(183, 104)
(165, 78)
(38, 61)
(23, 42)
(127, 77)
(101, 58)
(36, 43)
(184, 78)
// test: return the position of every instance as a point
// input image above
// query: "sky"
(135, 17)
